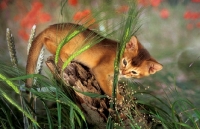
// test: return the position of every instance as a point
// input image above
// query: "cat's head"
(137, 62)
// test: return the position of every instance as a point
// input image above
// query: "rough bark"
(79, 77)
(96, 110)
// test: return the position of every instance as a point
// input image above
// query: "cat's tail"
(33, 55)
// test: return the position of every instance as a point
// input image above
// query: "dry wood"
(80, 78)
(96, 110)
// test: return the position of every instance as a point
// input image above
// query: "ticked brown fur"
(136, 61)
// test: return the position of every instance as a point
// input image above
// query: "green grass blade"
(3, 94)
(7, 116)
(109, 124)
(183, 125)
(129, 30)
(72, 118)
(92, 95)
(3, 125)
(58, 111)
(15, 88)
(3, 78)
(49, 118)
(67, 39)
(96, 39)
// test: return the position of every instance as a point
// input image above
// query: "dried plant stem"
(11, 48)
(13, 57)
(39, 64)
(31, 38)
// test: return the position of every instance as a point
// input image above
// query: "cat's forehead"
(142, 55)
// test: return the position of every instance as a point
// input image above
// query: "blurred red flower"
(143, 2)
(198, 25)
(73, 2)
(187, 15)
(81, 14)
(195, 15)
(85, 17)
(34, 16)
(164, 13)
(37, 6)
(44, 17)
(155, 3)
(196, 1)
(3, 4)
(122, 9)
(191, 15)
(22, 33)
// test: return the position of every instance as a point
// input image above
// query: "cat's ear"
(132, 44)
(154, 66)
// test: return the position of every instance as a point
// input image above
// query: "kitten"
(135, 63)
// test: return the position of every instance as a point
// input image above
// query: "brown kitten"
(136, 61)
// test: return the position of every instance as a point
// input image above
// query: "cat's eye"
(133, 72)
(124, 62)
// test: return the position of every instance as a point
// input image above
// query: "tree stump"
(96, 110)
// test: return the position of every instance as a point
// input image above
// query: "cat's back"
(80, 36)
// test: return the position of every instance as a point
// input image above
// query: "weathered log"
(96, 110)
(80, 78)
